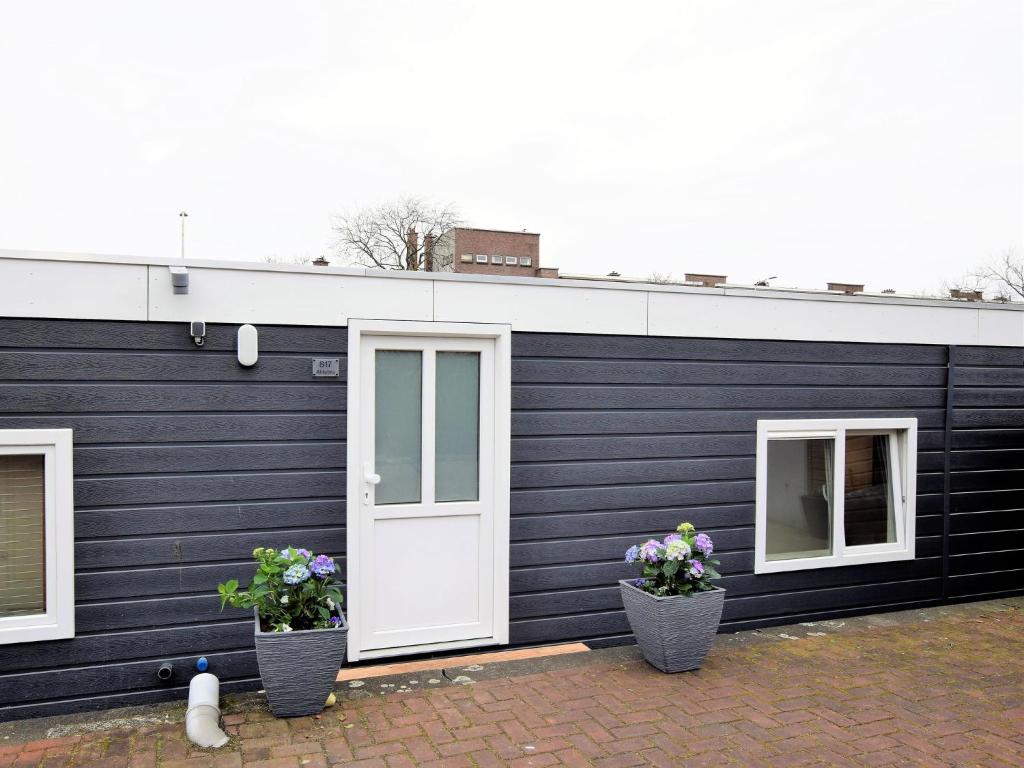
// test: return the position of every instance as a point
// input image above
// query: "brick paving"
(936, 687)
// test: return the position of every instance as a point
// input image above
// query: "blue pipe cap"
(202, 664)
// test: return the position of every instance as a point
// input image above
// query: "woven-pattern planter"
(299, 668)
(674, 633)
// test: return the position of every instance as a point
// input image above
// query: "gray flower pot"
(299, 668)
(674, 633)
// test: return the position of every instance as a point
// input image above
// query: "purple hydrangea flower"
(696, 569)
(633, 554)
(297, 574)
(672, 537)
(322, 566)
(300, 552)
(649, 550)
(639, 582)
(703, 544)
(335, 621)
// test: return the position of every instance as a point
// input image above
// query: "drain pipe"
(202, 719)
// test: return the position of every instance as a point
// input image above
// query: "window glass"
(22, 535)
(511, 261)
(481, 258)
(525, 261)
(398, 408)
(457, 432)
(800, 498)
(870, 517)
(495, 259)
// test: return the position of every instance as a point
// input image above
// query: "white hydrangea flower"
(330, 604)
(284, 599)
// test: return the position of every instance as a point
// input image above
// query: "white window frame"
(467, 258)
(903, 482)
(511, 261)
(58, 622)
(495, 259)
(526, 261)
(481, 258)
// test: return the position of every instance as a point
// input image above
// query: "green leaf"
(671, 567)
(260, 578)
(711, 573)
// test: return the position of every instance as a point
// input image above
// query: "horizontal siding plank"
(119, 398)
(173, 580)
(611, 473)
(664, 348)
(988, 418)
(188, 428)
(608, 598)
(987, 439)
(257, 516)
(830, 599)
(987, 480)
(553, 578)
(553, 370)
(126, 646)
(633, 522)
(983, 356)
(618, 447)
(611, 548)
(120, 336)
(164, 366)
(1003, 397)
(994, 541)
(987, 562)
(247, 457)
(597, 422)
(979, 522)
(990, 377)
(562, 628)
(122, 552)
(151, 613)
(538, 396)
(987, 584)
(986, 501)
(167, 489)
(534, 502)
(999, 459)
(112, 678)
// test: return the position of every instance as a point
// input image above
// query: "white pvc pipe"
(202, 719)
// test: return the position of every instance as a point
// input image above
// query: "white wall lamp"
(248, 345)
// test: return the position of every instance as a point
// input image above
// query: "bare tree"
(1005, 275)
(399, 235)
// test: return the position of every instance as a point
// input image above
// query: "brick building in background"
(491, 252)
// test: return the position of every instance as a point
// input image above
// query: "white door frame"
(502, 336)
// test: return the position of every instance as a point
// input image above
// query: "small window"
(525, 261)
(466, 258)
(37, 600)
(511, 261)
(834, 492)
(481, 258)
(495, 259)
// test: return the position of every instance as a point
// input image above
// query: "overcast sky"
(858, 140)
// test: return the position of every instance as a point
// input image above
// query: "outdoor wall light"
(197, 330)
(179, 279)
(248, 345)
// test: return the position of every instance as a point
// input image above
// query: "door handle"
(371, 478)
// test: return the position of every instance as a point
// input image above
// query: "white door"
(424, 570)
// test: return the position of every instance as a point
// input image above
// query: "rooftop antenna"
(183, 216)
(764, 282)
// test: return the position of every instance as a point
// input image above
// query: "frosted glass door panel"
(398, 419)
(457, 428)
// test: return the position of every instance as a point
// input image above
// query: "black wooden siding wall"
(617, 438)
(184, 462)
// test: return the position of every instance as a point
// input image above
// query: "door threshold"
(493, 657)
